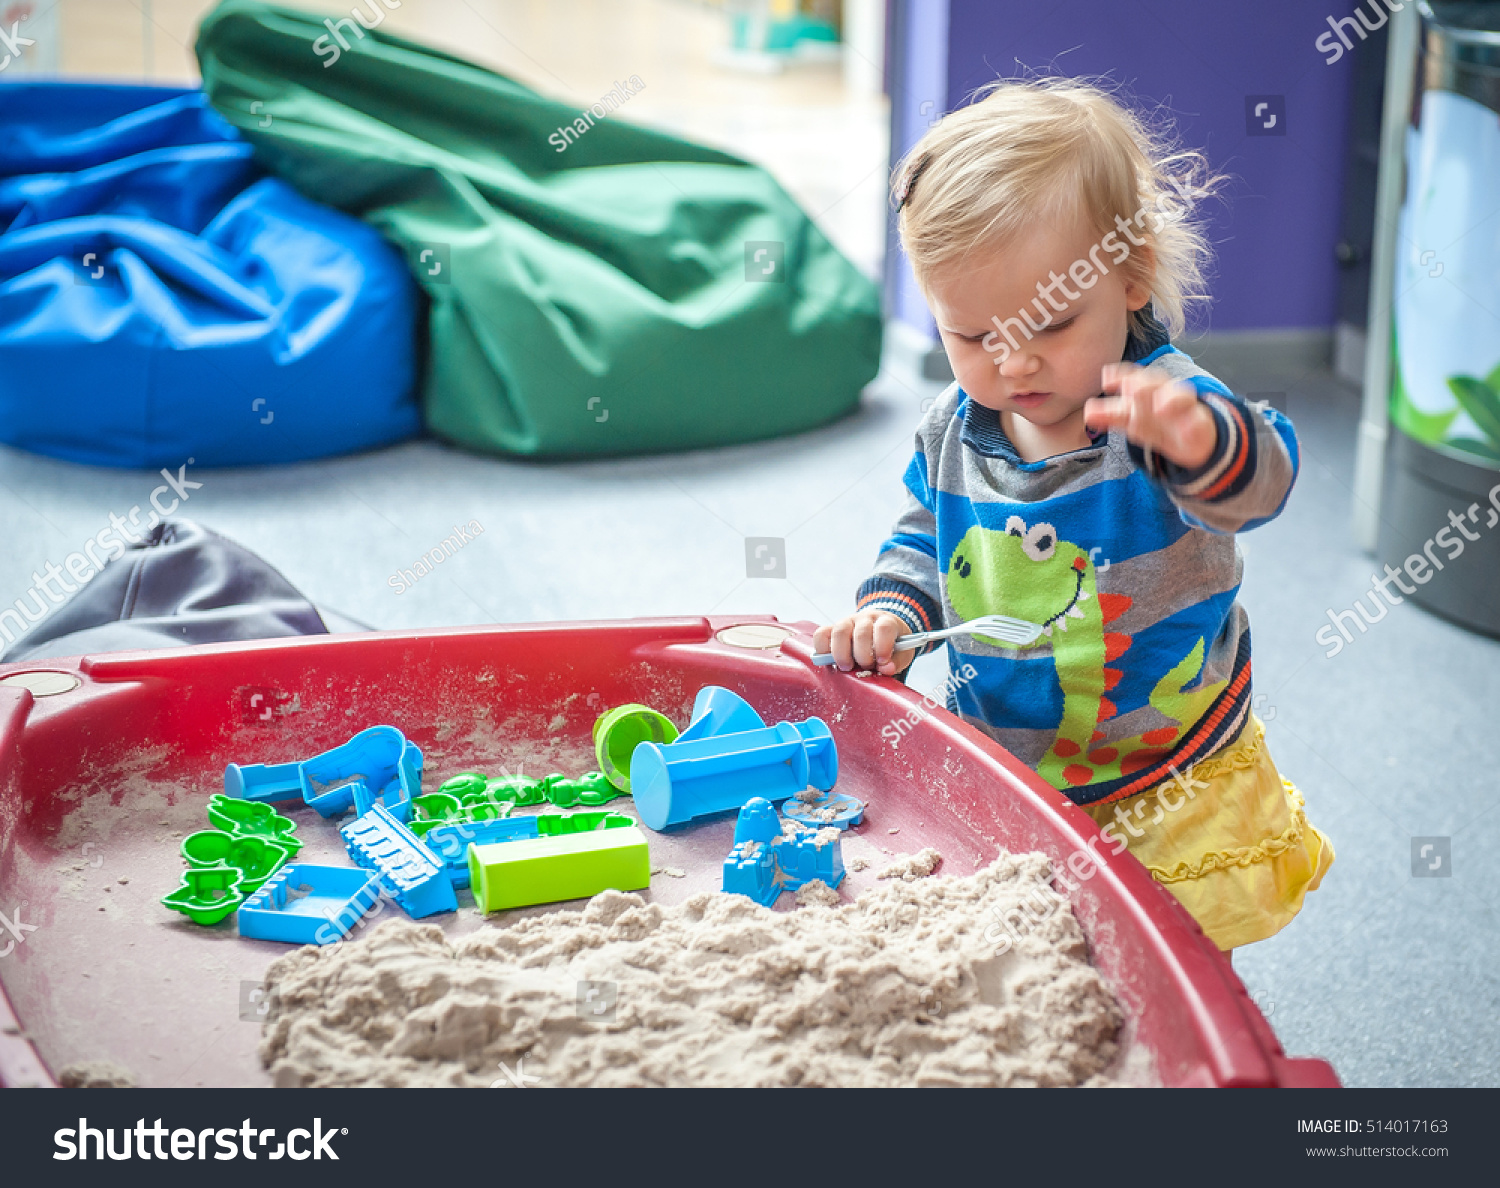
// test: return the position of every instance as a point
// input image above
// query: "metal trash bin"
(1440, 516)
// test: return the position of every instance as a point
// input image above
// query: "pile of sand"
(96, 1074)
(910, 867)
(898, 988)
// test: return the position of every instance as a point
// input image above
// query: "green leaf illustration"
(1473, 445)
(1480, 401)
(1428, 427)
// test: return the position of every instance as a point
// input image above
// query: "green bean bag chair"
(628, 292)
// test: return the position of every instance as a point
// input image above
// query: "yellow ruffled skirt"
(1231, 840)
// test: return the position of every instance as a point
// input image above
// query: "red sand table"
(100, 778)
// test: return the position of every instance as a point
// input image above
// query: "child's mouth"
(1028, 399)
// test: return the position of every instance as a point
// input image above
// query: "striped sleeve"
(905, 580)
(1246, 481)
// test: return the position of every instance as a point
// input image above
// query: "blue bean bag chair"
(161, 299)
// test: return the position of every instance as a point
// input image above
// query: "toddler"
(1085, 475)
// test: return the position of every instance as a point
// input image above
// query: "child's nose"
(1021, 363)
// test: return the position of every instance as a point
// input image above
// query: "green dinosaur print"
(1029, 573)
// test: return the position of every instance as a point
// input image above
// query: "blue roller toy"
(726, 757)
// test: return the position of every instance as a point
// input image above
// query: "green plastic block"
(552, 869)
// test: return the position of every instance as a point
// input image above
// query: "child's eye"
(1063, 325)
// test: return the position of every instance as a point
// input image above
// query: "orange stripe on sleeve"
(906, 599)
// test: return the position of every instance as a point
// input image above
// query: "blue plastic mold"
(830, 810)
(266, 783)
(803, 858)
(764, 862)
(398, 793)
(415, 877)
(718, 711)
(750, 870)
(303, 904)
(451, 842)
(681, 781)
(377, 764)
(757, 822)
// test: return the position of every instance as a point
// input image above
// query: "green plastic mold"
(474, 787)
(436, 806)
(207, 894)
(552, 869)
(256, 858)
(592, 788)
(619, 731)
(465, 784)
(519, 790)
(559, 824)
(249, 818)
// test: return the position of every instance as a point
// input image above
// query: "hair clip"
(903, 195)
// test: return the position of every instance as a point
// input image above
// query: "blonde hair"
(1055, 148)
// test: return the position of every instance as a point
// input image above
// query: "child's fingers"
(840, 640)
(1115, 374)
(820, 638)
(1146, 402)
(1175, 400)
(1106, 412)
(864, 641)
(887, 629)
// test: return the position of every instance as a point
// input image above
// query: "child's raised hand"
(1156, 412)
(866, 640)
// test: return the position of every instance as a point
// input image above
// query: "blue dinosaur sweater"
(1127, 560)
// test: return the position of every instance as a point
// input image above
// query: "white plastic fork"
(1002, 627)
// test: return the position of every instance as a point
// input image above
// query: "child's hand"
(866, 639)
(1157, 412)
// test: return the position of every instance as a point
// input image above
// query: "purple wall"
(919, 97)
(1274, 237)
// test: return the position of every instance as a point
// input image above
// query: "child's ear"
(1139, 283)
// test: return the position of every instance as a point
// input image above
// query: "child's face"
(1044, 375)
